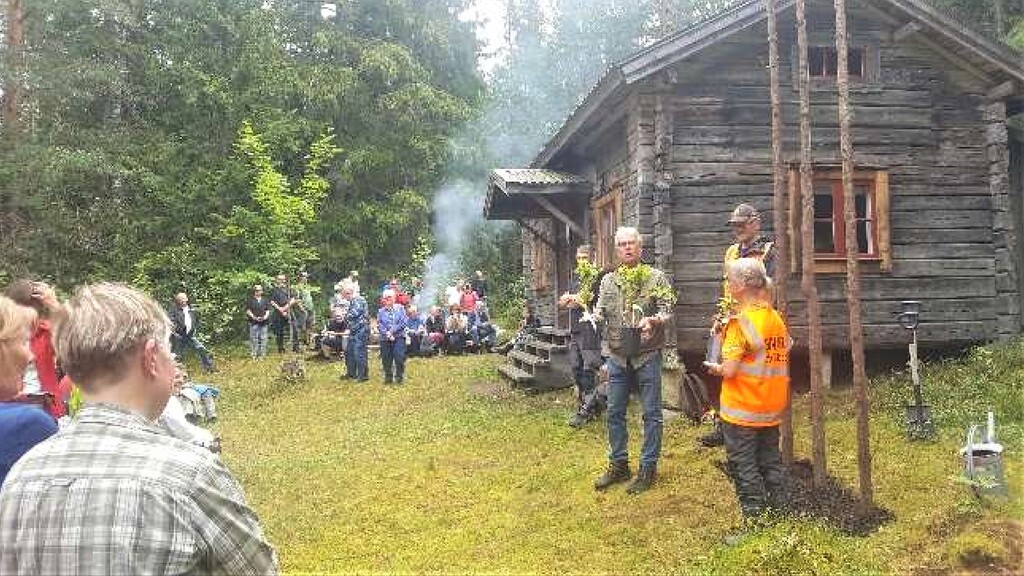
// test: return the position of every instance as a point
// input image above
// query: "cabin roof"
(953, 40)
(516, 193)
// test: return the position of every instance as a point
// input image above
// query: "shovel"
(919, 414)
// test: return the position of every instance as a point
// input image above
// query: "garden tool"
(919, 414)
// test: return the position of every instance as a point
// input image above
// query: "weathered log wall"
(943, 146)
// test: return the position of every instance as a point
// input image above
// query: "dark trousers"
(181, 344)
(279, 324)
(356, 362)
(585, 364)
(755, 464)
(392, 356)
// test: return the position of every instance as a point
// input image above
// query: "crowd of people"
(160, 500)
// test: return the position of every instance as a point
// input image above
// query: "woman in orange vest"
(755, 389)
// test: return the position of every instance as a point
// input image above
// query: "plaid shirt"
(115, 494)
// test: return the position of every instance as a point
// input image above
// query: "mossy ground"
(455, 473)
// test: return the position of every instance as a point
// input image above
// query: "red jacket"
(46, 365)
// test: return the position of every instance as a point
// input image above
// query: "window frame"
(835, 262)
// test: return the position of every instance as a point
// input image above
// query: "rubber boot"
(616, 472)
(713, 439)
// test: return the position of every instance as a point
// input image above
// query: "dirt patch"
(833, 503)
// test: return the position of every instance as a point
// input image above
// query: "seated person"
(456, 331)
(330, 342)
(527, 327)
(198, 401)
(415, 332)
(433, 327)
(481, 331)
(176, 420)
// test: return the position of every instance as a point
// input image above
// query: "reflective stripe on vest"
(757, 394)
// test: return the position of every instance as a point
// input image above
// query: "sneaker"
(616, 472)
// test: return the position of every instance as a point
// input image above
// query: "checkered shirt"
(115, 494)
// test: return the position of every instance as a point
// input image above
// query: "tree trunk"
(15, 43)
(852, 266)
(779, 208)
(808, 281)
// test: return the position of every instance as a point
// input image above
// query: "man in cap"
(750, 243)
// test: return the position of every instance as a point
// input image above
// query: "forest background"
(204, 145)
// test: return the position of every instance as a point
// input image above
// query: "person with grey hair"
(636, 362)
(357, 318)
(755, 390)
(185, 322)
(391, 326)
(114, 493)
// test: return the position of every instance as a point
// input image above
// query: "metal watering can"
(983, 461)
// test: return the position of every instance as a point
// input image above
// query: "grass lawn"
(455, 473)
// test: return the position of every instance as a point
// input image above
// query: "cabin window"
(822, 62)
(607, 213)
(871, 204)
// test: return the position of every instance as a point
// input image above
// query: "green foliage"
(586, 272)
(961, 391)
(639, 294)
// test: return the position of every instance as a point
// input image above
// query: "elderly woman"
(358, 320)
(22, 426)
(392, 324)
(755, 389)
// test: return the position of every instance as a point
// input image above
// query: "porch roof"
(514, 194)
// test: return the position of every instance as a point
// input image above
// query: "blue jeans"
(257, 340)
(649, 378)
(392, 356)
(179, 344)
(356, 362)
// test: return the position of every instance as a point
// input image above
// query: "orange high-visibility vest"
(757, 395)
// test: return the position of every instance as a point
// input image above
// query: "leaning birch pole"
(853, 301)
(779, 207)
(808, 280)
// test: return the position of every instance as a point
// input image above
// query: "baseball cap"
(743, 213)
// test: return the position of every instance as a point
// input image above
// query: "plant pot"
(630, 341)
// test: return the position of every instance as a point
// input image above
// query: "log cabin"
(674, 137)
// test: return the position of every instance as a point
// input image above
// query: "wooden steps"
(541, 363)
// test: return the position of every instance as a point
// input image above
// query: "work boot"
(713, 439)
(581, 417)
(617, 472)
(644, 479)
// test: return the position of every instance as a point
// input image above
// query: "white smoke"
(458, 208)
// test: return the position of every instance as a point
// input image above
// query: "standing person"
(301, 311)
(115, 493)
(584, 344)
(22, 426)
(391, 325)
(358, 320)
(185, 321)
(746, 227)
(755, 389)
(41, 374)
(280, 303)
(257, 312)
(468, 299)
(479, 284)
(642, 367)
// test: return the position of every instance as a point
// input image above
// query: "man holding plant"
(585, 339)
(635, 302)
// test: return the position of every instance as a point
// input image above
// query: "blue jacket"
(392, 321)
(358, 317)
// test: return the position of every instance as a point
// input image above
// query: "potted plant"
(639, 300)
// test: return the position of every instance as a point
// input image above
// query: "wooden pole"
(779, 208)
(808, 281)
(853, 300)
